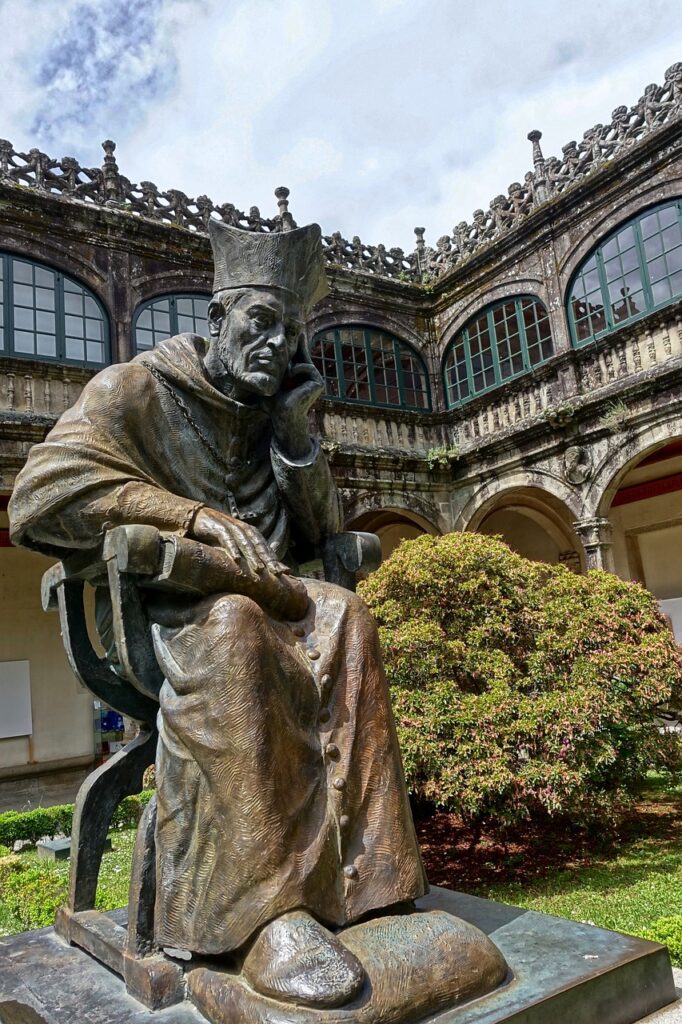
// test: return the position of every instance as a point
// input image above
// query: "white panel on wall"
(673, 608)
(15, 699)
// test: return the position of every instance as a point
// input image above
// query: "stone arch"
(151, 286)
(51, 253)
(623, 453)
(392, 519)
(535, 520)
(383, 321)
(532, 287)
(637, 502)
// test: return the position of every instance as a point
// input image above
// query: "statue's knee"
(236, 615)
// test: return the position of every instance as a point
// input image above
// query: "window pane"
(73, 303)
(74, 349)
(44, 278)
(46, 345)
(94, 352)
(45, 322)
(24, 342)
(93, 329)
(74, 326)
(144, 340)
(23, 294)
(22, 271)
(23, 318)
(44, 298)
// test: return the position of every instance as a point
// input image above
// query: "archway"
(533, 523)
(392, 526)
(644, 506)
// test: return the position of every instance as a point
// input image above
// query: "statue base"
(561, 970)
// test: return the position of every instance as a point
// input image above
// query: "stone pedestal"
(562, 971)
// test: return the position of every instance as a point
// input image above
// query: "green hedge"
(31, 826)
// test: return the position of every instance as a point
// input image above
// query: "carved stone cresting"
(550, 177)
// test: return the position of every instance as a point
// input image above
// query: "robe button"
(298, 630)
(313, 654)
(344, 821)
(339, 783)
(350, 871)
(324, 715)
(332, 751)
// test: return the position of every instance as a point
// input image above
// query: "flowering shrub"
(522, 689)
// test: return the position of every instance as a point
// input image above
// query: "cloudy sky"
(378, 114)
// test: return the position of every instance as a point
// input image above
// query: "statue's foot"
(296, 960)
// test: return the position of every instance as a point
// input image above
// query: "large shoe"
(296, 960)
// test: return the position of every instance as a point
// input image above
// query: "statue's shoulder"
(138, 379)
(121, 382)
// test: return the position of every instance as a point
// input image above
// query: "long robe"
(279, 781)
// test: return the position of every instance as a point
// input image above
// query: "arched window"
(46, 315)
(638, 268)
(364, 364)
(504, 340)
(162, 318)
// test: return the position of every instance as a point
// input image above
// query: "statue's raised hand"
(301, 388)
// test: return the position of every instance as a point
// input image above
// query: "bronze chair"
(134, 559)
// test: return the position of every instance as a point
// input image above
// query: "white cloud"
(378, 114)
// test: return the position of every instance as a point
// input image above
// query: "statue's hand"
(250, 566)
(243, 542)
(289, 411)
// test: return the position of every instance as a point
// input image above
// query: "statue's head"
(264, 287)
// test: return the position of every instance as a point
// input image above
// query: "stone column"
(595, 534)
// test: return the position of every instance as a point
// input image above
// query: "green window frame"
(635, 270)
(504, 340)
(167, 315)
(371, 367)
(48, 316)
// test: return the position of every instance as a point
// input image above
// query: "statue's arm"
(299, 464)
(309, 492)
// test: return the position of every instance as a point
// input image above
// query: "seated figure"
(282, 811)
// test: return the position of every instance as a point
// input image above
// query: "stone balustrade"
(45, 395)
(551, 177)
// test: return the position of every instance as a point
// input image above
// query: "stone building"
(521, 378)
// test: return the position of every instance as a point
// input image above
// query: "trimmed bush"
(32, 826)
(668, 931)
(522, 689)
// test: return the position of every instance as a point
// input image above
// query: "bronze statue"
(282, 813)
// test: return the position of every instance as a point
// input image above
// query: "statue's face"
(257, 340)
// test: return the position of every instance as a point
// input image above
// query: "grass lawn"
(627, 885)
(31, 889)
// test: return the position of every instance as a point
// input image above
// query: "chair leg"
(98, 798)
(143, 886)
